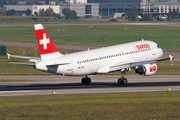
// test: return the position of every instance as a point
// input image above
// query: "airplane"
(140, 55)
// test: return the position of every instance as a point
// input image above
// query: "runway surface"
(62, 85)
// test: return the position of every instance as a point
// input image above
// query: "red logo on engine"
(142, 46)
(152, 68)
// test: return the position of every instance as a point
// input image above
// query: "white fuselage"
(100, 60)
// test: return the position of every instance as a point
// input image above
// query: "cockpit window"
(158, 46)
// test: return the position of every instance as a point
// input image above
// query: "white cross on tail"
(44, 41)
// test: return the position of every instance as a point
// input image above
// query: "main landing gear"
(122, 81)
(86, 80)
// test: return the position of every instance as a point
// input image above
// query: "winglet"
(171, 57)
(8, 55)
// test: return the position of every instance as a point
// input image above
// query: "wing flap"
(118, 67)
(142, 63)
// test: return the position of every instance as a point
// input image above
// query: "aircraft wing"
(135, 64)
(150, 61)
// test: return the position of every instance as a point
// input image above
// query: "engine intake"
(34, 66)
(147, 69)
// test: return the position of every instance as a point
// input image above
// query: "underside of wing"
(120, 65)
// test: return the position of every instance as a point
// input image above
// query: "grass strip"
(166, 36)
(154, 105)
(52, 20)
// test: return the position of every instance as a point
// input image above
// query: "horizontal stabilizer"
(30, 64)
(25, 57)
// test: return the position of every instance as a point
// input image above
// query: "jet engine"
(147, 69)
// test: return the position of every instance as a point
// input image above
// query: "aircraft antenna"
(142, 39)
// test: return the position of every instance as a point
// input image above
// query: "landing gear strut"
(122, 81)
(86, 80)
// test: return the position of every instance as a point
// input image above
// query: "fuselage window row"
(100, 58)
(137, 51)
(110, 56)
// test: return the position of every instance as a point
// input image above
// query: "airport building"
(21, 9)
(108, 8)
(104, 8)
(159, 7)
(82, 8)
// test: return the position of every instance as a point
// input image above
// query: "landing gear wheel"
(124, 81)
(83, 81)
(86, 81)
(119, 81)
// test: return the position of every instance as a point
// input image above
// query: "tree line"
(133, 13)
(28, 2)
(68, 14)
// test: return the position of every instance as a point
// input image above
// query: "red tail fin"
(45, 43)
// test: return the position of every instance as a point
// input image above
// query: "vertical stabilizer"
(46, 47)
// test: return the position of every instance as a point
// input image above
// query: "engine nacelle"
(147, 69)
